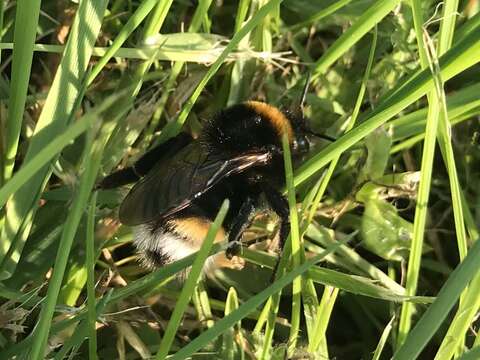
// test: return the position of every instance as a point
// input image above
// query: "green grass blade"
(200, 12)
(437, 103)
(359, 263)
(436, 313)
(157, 18)
(465, 54)
(328, 10)
(364, 24)
(133, 22)
(237, 73)
(470, 25)
(472, 354)
(469, 304)
(447, 26)
(204, 50)
(190, 284)
(241, 14)
(174, 127)
(201, 302)
(91, 163)
(446, 35)
(324, 312)
(90, 264)
(26, 20)
(273, 303)
(63, 94)
(295, 246)
(228, 346)
(152, 27)
(351, 123)
(46, 154)
(2, 12)
(355, 284)
(458, 104)
(247, 307)
(125, 134)
(330, 294)
(383, 340)
(461, 322)
(421, 208)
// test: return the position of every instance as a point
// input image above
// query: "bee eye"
(301, 145)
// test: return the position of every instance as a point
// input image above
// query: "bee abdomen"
(161, 243)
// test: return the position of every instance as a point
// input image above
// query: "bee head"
(301, 143)
(304, 138)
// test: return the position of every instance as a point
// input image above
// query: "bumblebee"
(181, 184)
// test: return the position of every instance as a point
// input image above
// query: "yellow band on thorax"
(278, 119)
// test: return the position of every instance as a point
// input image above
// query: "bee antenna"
(302, 105)
(304, 92)
(321, 136)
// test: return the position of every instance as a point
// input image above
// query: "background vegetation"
(371, 270)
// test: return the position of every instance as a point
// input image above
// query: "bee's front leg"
(241, 223)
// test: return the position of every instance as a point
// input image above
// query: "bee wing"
(172, 184)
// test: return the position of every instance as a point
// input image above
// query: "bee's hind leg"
(241, 223)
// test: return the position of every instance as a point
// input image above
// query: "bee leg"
(241, 223)
(118, 178)
(279, 204)
(145, 163)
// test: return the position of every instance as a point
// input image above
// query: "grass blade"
(472, 354)
(63, 94)
(383, 340)
(201, 302)
(91, 163)
(436, 313)
(24, 38)
(437, 113)
(465, 54)
(200, 12)
(364, 24)
(328, 10)
(45, 155)
(174, 127)
(90, 264)
(323, 318)
(295, 246)
(189, 286)
(133, 22)
(247, 307)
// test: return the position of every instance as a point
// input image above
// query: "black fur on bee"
(181, 184)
